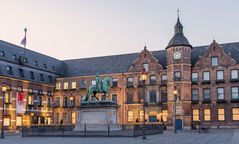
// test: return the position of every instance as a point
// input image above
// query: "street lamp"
(175, 92)
(4, 89)
(71, 99)
(143, 78)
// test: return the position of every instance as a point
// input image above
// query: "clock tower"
(179, 79)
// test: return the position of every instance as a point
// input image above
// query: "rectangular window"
(42, 77)
(129, 81)
(235, 114)
(18, 121)
(177, 76)
(194, 77)
(82, 84)
(152, 97)
(49, 102)
(164, 79)
(7, 121)
(146, 67)
(8, 97)
(130, 116)
(235, 93)
(66, 85)
(164, 115)
(73, 117)
(214, 61)
(207, 114)
(50, 79)
(195, 114)
(9, 70)
(73, 85)
(234, 74)
(129, 98)
(164, 98)
(114, 98)
(21, 72)
(195, 95)
(57, 102)
(220, 75)
(221, 114)
(58, 86)
(32, 76)
(30, 100)
(206, 94)
(39, 100)
(141, 116)
(153, 79)
(206, 76)
(65, 102)
(114, 82)
(220, 93)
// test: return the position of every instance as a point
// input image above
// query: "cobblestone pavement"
(222, 136)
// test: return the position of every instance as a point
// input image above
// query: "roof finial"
(178, 11)
(145, 47)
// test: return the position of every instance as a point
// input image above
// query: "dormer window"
(214, 61)
(45, 66)
(2, 53)
(14, 57)
(35, 63)
(53, 68)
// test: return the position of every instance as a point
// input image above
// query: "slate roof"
(54, 67)
(121, 63)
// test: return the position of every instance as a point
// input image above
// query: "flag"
(19, 103)
(24, 41)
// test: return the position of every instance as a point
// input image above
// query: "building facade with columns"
(205, 79)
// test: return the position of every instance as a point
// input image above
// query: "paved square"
(222, 136)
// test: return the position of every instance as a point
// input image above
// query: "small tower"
(179, 78)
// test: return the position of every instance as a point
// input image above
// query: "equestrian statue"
(101, 86)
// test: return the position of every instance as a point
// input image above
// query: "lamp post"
(4, 89)
(143, 78)
(175, 92)
(71, 99)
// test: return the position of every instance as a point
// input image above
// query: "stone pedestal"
(97, 116)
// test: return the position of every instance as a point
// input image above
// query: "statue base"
(97, 116)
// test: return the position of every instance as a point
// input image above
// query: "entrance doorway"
(179, 124)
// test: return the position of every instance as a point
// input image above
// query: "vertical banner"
(19, 103)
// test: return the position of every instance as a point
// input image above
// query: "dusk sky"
(69, 29)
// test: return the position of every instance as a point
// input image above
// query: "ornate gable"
(215, 51)
(145, 57)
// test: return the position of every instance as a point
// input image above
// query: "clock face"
(177, 55)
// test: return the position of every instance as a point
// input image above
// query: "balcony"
(206, 100)
(234, 100)
(234, 80)
(206, 82)
(194, 82)
(220, 81)
(195, 101)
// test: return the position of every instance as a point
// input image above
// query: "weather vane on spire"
(24, 40)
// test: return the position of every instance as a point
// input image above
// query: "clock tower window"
(177, 76)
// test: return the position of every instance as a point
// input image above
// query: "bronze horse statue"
(101, 86)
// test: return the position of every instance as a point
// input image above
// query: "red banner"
(20, 96)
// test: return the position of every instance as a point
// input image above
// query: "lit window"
(146, 67)
(220, 93)
(214, 61)
(73, 117)
(221, 114)
(235, 93)
(206, 76)
(8, 97)
(195, 114)
(194, 77)
(164, 115)
(73, 85)
(58, 86)
(141, 116)
(235, 114)
(65, 85)
(207, 114)
(18, 121)
(7, 121)
(195, 95)
(220, 75)
(30, 100)
(234, 74)
(130, 116)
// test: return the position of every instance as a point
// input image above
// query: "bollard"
(108, 130)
